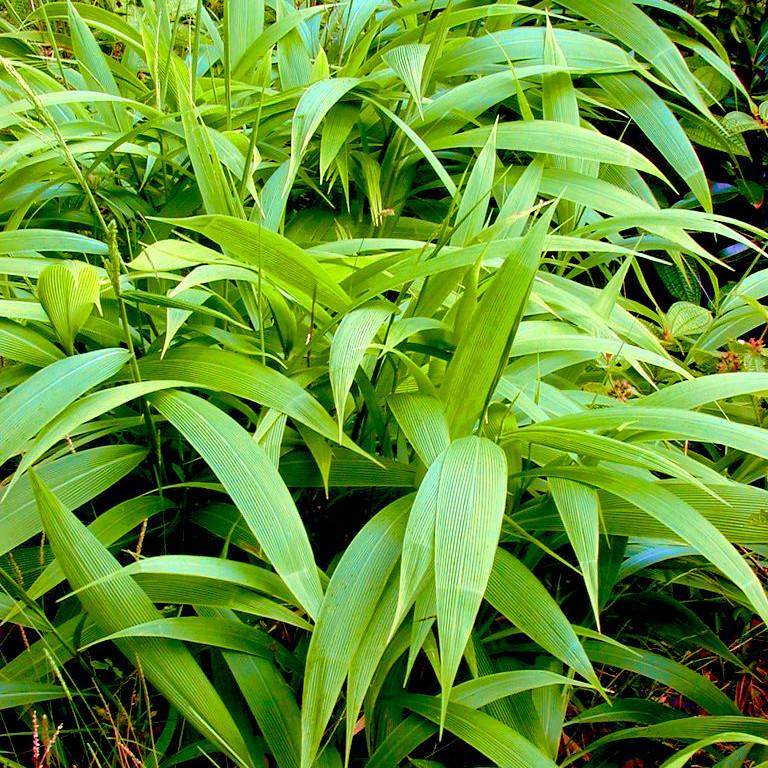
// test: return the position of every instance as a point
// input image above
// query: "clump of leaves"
(372, 267)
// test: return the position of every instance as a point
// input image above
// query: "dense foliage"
(379, 387)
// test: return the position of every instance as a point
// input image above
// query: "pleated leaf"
(118, 603)
(471, 496)
(34, 402)
(255, 486)
(350, 343)
(579, 508)
(68, 293)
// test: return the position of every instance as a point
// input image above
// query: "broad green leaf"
(313, 106)
(471, 496)
(552, 138)
(422, 420)
(407, 62)
(470, 216)
(68, 293)
(33, 403)
(660, 125)
(683, 520)
(482, 353)
(284, 262)
(75, 479)
(624, 20)
(691, 684)
(516, 593)
(22, 694)
(223, 371)
(18, 241)
(119, 603)
(254, 485)
(350, 600)
(495, 740)
(25, 345)
(579, 508)
(350, 343)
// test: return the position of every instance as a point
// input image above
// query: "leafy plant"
(329, 433)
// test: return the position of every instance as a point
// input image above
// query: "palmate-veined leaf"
(118, 603)
(34, 402)
(68, 292)
(254, 485)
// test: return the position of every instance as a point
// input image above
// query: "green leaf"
(482, 353)
(579, 508)
(552, 138)
(21, 694)
(255, 486)
(350, 343)
(350, 600)
(34, 402)
(75, 479)
(284, 262)
(471, 496)
(407, 62)
(422, 419)
(119, 603)
(25, 345)
(516, 593)
(68, 293)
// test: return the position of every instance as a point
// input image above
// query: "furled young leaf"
(68, 293)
